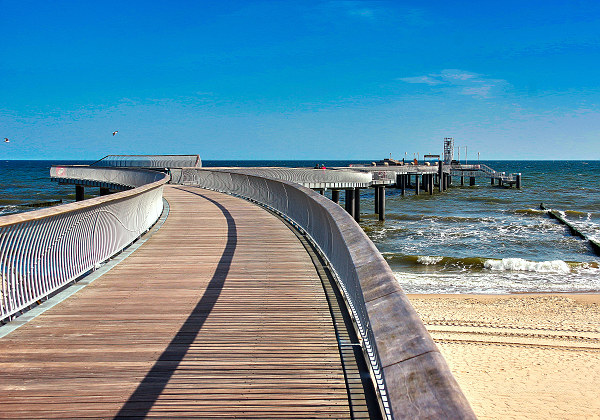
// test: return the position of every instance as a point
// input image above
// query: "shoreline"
(591, 296)
(522, 355)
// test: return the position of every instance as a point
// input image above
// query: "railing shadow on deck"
(155, 381)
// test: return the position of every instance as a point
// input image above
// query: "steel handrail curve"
(306, 176)
(149, 161)
(409, 373)
(42, 251)
(126, 177)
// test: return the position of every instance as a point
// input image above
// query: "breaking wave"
(491, 264)
(520, 264)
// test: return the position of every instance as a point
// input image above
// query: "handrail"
(308, 177)
(475, 169)
(408, 371)
(149, 161)
(42, 251)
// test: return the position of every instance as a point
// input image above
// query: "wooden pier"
(257, 298)
(196, 323)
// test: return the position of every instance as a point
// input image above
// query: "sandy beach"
(534, 356)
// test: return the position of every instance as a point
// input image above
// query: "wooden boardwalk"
(220, 314)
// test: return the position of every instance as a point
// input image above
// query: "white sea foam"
(428, 260)
(8, 209)
(494, 282)
(519, 264)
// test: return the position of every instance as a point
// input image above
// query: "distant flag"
(115, 132)
(6, 140)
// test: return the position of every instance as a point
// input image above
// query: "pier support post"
(402, 183)
(382, 203)
(492, 180)
(472, 181)
(417, 185)
(335, 196)
(357, 204)
(350, 202)
(518, 181)
(462, 181)
(79, 191)
(500, 183)
(322, 191)
(441, 175)
(431, 187)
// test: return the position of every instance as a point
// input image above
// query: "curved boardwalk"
(220, 314)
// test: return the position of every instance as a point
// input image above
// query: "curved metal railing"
(307, 177)
(149, 161)
(409, 373)
(124, 177)
(42, 251)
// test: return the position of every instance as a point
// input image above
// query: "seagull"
(6, 140)
(115, 132)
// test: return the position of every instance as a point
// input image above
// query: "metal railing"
(42, 251)
(149, 161)
(124, 177)
(307, 177)
(480, 170)
(409, 374)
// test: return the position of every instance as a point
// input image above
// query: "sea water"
(486, 239)
(481, 239)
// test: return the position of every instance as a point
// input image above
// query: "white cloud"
(428, 80)
(482, 91)
(457, 75)
(461, 81)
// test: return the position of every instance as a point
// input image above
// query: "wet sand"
(520, 356)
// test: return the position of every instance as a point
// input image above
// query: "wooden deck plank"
(220, 314)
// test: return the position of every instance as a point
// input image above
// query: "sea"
(469, 239)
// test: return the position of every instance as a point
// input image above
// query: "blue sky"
(300, 79)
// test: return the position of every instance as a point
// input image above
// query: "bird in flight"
(115, 132)
(6, 140)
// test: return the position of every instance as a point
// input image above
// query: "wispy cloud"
(384, 12)
(428, 80)
(462, 82)
(362, 12)
(354, 8)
